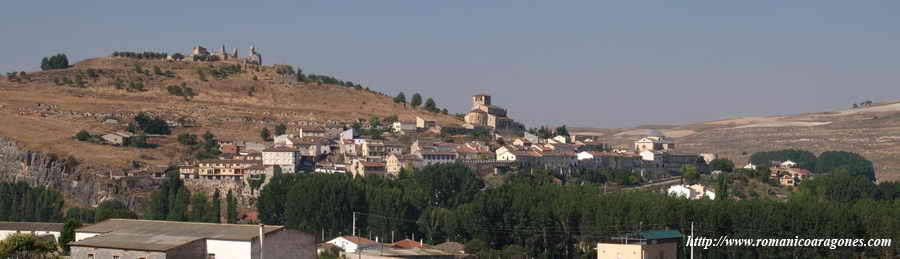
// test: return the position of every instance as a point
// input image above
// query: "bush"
(83, 135)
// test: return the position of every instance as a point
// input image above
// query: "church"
(485, 115)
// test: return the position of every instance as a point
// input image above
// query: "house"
(404, 127)
(120, 237)
(117, 138)
(346, 134)
(518, 155)
(310, 132)
(691, 192)
(393, 147)
(788, 164)
(656, 244)
(560, 139)
(288, 159)
(425, 124)
(648, 155)
(750, 166)
(140, 246)
(373, 148)
(361, 168)
(331, 168)
(709, 157)
(531, 138)
(653, 143)
(35, 228)
(438, 156)
(521, 142)
(228, 148)
(348, 147)
(310, 146)
(220, 169)
(352, 243)
(789, 176)
(394, 163)
(406, 244)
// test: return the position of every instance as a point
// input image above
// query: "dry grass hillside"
(43, 115)
(873, 132)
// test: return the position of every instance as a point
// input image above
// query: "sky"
(581, 63)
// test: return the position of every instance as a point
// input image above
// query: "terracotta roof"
(371, 164)
(453, 247)
(359, 240)
(280, 149)
(406, 243)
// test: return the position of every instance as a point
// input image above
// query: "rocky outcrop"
(87, 186)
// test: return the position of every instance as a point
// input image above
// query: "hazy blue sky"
(587, 63)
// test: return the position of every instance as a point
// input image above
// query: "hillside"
(42, 113)
(873, 132)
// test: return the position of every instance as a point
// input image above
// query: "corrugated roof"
(660, 234)
(31, 226)
(234, 232)
(159, 243)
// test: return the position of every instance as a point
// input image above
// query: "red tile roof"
(359, 240)
(406, 243)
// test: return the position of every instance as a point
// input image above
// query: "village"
(486, 141)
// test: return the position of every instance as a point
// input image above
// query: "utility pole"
(691, 239)
(354, 223)
(261, 247)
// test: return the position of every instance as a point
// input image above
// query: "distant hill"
(44, 109)
(872, 131)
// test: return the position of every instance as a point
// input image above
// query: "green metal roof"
(660, 234)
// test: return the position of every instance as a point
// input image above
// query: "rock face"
(86, 186)
(92, 186)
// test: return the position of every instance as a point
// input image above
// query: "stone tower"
(481, 100)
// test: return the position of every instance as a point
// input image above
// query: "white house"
(34, 228)
(692, 192)
(221, 241)
(286, 158)
(788, 164)
(750, 166)
(648, 155)
(403, 127)
(352, 243)
(560, 139)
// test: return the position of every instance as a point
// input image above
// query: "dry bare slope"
(873, 132)
(43, 115)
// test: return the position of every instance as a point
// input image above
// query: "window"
(211, 256)
(90, 256)
(115, 257)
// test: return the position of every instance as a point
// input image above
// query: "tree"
(25, 246)
(68, 234)
(83, 135)
(231, 210)
(416, 100)
(58, 61)
(264, 134)
(804, 159)
(562, 131)
(178, 210)
(199, 207)
(430, 105)
(280, 129)
(187, 139)
(722, 164)
(114, 209)
(215, 213)
(401, 98)
(689, 174)
(722, 186)
(847, 162)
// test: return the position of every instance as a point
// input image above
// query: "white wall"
(228, 249)
(83, 235)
